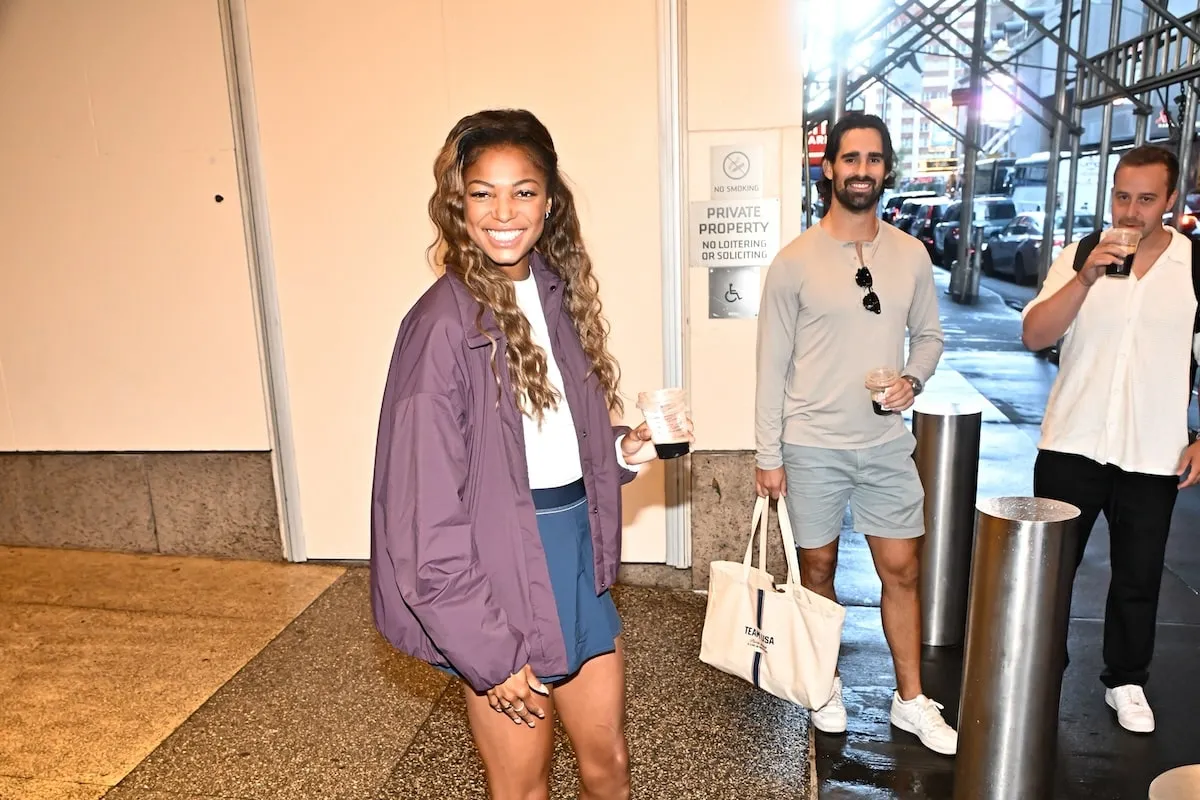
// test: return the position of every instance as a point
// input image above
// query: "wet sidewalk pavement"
(985, 363)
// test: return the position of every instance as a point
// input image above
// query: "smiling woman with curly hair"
(496, 505)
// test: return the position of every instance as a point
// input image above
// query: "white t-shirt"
(552, 449)
(1122, 393)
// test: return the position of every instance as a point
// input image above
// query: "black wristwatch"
(916, 384)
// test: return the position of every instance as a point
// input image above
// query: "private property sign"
(742, 233)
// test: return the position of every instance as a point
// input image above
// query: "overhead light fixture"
(1001, 50)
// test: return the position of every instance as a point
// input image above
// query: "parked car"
(1000, 252)
(892, 204)
(1016, 250)
(994, 213)
(1083, 225)
(907, 212)
(928, 214)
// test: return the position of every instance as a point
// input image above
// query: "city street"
(1014, 296)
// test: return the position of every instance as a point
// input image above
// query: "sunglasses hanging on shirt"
(870, 299)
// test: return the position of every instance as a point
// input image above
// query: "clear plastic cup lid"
(881, 377)
(661, 397)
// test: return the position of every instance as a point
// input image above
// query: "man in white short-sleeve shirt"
(1115, 436)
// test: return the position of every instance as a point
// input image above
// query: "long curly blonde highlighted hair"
(561, 244)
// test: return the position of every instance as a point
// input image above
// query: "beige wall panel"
(722, 374)
(125, 315)
(743, 64)
(352, 107)
(126, 320)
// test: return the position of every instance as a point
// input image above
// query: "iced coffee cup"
(1127, 239)
(666, 413)
(877, 383)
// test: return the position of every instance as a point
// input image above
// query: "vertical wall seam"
(235, 31)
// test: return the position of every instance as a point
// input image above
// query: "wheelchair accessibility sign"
(733, 292)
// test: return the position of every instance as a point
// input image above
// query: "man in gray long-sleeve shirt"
(837, 304)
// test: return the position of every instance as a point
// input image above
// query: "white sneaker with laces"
(831, 717)
(1133, 711)
(923, 717)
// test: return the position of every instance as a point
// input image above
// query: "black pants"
(1138, 508)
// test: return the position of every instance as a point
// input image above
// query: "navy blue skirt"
(590, 624)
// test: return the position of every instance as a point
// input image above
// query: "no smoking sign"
(737, 171)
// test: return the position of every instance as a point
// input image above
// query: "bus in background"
(1029, 182)
(994, 176)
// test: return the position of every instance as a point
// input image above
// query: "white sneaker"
(1133, 712)
(923, 717)
(831, 717)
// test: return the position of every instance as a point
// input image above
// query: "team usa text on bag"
(759, 640)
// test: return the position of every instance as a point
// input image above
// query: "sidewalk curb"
(986, 299)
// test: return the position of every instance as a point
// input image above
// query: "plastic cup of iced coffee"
(1127, 239)
(877, 383)
(666, 413)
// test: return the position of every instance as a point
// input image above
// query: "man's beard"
(858, 202)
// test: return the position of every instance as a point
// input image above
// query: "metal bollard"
(1020, 604)
(964, 276)
(971, 286)
(947, 456)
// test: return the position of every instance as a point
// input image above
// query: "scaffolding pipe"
(1175, 21)
(1085, 18)
(968, 279)
(994, 66)
(1187, 135)
(1056, 144)
(1139, 131)
(1143, 119)
(1022, 50)
(915, 41)
(1104, 77)
(1114, 36)
(920, 109)
(808, 198)
(882, 65)
(1171, 76)
(896, 13)
(839, 87)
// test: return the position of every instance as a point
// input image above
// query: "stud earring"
(547, 215)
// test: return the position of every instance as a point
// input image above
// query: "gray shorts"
(880, 483)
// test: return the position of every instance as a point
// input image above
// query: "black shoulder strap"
(1196, 322)
(1085, 249)
(1195, 280)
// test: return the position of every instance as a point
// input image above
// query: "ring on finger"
(519, 709)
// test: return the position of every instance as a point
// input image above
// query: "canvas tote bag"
(784, 639)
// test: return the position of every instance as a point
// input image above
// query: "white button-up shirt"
(1122, 391)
